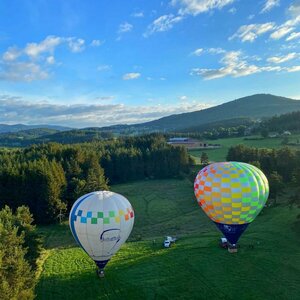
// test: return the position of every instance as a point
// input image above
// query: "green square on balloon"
(94, 220)
(246, 200)
(106, 221)
(111, 214)
(100, 214)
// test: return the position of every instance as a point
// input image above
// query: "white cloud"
(130, 76)
(248, 33)
(293, 69)
(11, 54)
(216, 50)
(198, 52)
(285, 28)
(103, 68)
(294, 9)
(232, 10)
(138, 14)
(96, 43)
(293, 36)
(22, 71)
(14, 110)
(76, 45)
(125, 27)
(47, 45)
(269, 4)
(250, 17)
(50, 60)
(183, 98)
(236, 65)
(281, 59)
(163, 23)
(195, 7)
(281, 32)
(32, 62)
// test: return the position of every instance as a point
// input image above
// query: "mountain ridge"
(254, 106)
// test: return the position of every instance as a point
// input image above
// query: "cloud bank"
(17, 110)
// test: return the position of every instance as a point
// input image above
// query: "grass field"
(194, 268)
(220, 154)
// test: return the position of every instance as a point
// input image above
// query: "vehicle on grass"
(223, 243)
(168, 241)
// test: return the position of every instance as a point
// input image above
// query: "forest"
(49, 178)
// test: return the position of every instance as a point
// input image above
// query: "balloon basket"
(232, 248)
(100, 273)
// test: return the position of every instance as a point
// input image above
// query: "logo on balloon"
(110, 235)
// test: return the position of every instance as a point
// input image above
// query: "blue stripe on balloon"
(73, 219)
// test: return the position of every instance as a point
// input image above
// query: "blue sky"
(96, 63)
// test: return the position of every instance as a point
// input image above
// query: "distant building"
(191, 143)
(286, 133)
(273, 134)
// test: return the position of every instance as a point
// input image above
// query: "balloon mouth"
(101, 264)
(232, 232)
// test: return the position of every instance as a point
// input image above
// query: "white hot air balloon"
(100, 223)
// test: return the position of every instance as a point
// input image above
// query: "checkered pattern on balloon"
(232, 194)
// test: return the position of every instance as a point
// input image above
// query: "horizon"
(124, 124)
(125, 63)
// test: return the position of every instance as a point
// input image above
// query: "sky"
(99, 62)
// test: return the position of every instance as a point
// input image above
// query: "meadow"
(267, 265)
(251, 141)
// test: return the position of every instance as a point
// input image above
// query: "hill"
(4, 128)
(28, 137)
(255, 107)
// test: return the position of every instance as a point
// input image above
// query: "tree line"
(289, 121)
(49, 178)
(281, 166)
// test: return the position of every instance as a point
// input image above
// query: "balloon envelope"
(100, 223)
(232, 194)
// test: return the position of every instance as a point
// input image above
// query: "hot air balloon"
(232, 194)
(100, 223)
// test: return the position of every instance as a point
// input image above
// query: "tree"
(204, 158)
(276, 185)
(16, 276)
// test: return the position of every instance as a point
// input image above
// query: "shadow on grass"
(56, 236)
(86, 286)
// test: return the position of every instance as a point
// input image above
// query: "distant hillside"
(21, 127)
(254, 107)
(28, 137)
(228, 123)
(289, 121)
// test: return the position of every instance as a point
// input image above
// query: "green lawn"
(194, 268)
(220, 154)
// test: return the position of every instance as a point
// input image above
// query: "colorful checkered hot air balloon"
(100, 223)
(232, 194)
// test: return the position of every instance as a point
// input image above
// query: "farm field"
(267, 265)
(226, 143)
